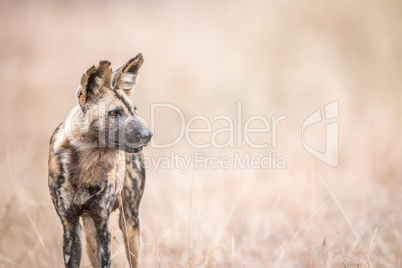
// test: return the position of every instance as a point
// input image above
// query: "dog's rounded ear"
(126, 76)
(93, 81)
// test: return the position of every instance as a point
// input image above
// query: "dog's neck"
(94, 166)
(89, 163)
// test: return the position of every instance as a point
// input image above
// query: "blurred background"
(276, 58)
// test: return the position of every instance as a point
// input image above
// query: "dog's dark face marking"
(126, 131)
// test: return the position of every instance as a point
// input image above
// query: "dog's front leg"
(103, 242)
(72, 242)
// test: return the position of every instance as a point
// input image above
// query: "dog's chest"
(107, 189)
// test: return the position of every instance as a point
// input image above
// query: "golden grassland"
(276, 58)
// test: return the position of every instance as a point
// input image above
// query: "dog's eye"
(113, 113)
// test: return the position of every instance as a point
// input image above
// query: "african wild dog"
(96, 164)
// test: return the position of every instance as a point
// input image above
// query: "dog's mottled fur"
(96, 165)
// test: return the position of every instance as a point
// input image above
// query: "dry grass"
(278, 59)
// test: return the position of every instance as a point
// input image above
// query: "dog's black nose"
(146, 135)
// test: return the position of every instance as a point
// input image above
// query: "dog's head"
(109, 115)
